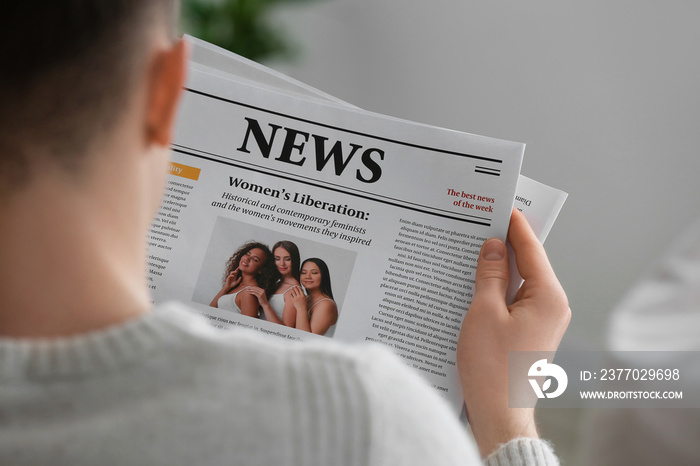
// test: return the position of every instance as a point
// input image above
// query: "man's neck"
(66, 267)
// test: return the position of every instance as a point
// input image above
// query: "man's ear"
(167, 78)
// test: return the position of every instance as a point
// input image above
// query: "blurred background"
(604, 93)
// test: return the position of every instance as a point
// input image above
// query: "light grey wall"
(605, 94)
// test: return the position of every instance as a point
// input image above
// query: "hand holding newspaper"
(396, 212)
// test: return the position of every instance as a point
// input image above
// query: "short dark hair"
(66, 67)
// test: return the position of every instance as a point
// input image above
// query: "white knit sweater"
(169, 389)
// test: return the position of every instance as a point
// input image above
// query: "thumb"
(492, 272)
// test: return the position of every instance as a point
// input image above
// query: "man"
(90, 373)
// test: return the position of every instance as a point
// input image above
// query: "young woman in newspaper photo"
(250, 266)
(279, 308)
(316, 313)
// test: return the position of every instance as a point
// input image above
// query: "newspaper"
(540, 203)
(397, 210)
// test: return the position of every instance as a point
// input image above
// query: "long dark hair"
(325, 275)
(293, 251)
(268, 273)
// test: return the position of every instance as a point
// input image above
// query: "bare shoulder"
(325, 307)
(285, 289)
(287, 285)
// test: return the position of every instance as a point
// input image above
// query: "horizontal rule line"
(345, 130)
(487, 168)
(487, 173)
(188, 151)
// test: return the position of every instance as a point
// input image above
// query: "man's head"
(88, 96)
(68, 67)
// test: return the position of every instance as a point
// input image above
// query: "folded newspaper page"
(396, 212)
(540, 203)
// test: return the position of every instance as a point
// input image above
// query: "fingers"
(259, 293)
(541, 283)
(492, 273)
(530, 257)
(297, 295)
(233, 276)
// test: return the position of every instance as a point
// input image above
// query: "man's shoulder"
(372, 371)
(334, 385)
(264, 341)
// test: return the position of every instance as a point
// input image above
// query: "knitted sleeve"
(523, 452)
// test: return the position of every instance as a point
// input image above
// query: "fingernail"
(493, 250)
